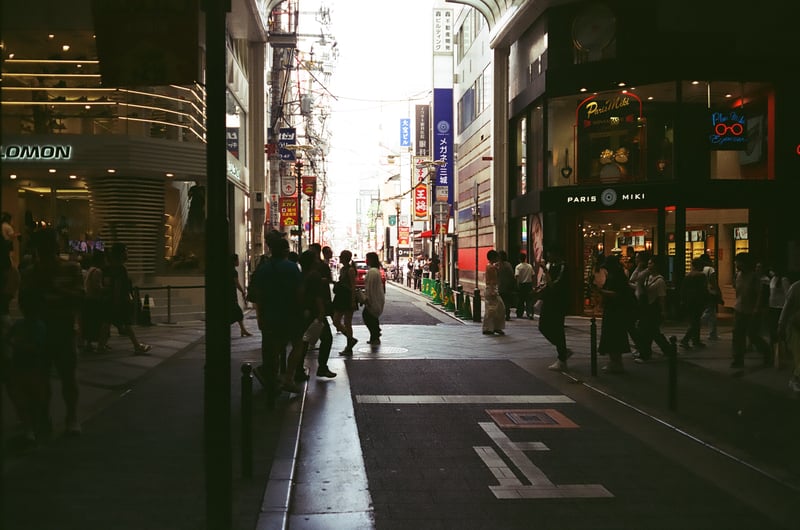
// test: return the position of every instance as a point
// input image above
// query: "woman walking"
(344, 300)
(619, 303)
(237, 315)
(495, 318)
(376, 298)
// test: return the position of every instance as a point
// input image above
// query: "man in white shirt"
(523, 273)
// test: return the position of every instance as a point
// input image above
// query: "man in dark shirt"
(276, 292)
(51, 291)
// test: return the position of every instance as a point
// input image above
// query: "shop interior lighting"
(51, 170)
(111, 170)
(73, 177)
(13, 176)
(65, 47)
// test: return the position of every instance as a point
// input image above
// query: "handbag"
(361, 296)
(313, 331)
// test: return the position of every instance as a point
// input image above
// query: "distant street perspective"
(399, 264)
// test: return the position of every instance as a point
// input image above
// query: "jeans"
(710, 316)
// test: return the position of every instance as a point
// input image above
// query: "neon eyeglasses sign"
(728, 130)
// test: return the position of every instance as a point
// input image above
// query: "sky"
(384, 68)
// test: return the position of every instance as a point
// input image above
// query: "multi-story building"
(664, 127)
(126, 162)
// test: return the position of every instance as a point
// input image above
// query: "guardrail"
(138, 291)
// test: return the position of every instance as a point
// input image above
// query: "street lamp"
(298, 167)
(476, 293)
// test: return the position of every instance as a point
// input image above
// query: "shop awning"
(426, 233)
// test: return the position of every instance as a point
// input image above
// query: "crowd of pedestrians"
(66, 307)
(634, 305)
(297, 303)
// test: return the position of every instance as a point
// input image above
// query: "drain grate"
(531, 419)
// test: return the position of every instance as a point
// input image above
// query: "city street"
(437, 427)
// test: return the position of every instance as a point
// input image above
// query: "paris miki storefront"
(676, 169)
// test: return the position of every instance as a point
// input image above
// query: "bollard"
(476, 305)
(593, 345)
(247, 420)
(467, 310)
(449, 304)
(144, 317)
(437, 293)
(460, 304)
(673, 373)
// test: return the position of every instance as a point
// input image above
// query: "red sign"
(317, 215)
(309, 185)
(421, 201)
(288, 209)
(402, 235)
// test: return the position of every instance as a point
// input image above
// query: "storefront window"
(732, 118)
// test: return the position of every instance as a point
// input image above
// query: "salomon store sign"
(36, 152)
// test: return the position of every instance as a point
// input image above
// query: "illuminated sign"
(421, 202)
(36, 152)
(728, 131)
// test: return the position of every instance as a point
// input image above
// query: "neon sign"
(728, 131)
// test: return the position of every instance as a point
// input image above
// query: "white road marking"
(459, 399)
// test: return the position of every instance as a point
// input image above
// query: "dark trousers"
(325, 344)
(372, 323)
(648, 330)
(747, 327)
(525, 303)
(508, 301)
(693, 314)
(551, 325)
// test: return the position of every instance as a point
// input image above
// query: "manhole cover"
(381, 348)
(531, 419)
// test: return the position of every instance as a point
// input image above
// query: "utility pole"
(218, 446)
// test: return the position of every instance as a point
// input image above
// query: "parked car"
(361, 273)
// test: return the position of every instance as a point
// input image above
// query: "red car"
(361, 273)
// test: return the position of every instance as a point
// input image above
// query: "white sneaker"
(558, 366)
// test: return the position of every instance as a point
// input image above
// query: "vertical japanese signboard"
(443, 142)
(405, 132)
(420, 205)
(422, 119)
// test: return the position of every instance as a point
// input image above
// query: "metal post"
(169, 304)
(218, 446)
(476, 305)
(247, 420)
(673, 373)
(593, 345)
(398, 276)
(298, 167)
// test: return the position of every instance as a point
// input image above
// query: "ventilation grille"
(130, 210)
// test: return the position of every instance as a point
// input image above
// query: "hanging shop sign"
(288, 211)
(286, 136)
(422, 119)
(309, 185)
(728, 131)
(421, 202)
(606, 198)
(402, 235)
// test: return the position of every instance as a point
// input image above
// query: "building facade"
(664, 128)
(104, 162)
